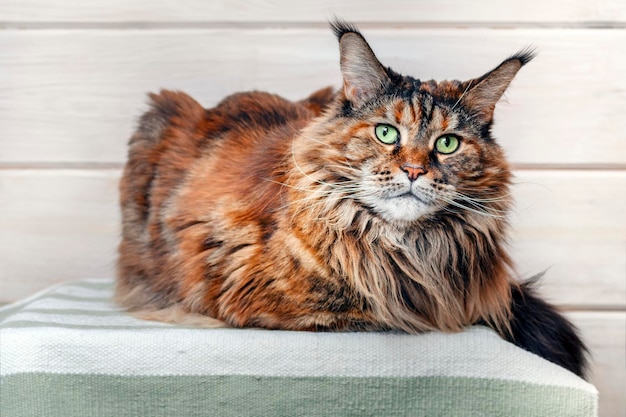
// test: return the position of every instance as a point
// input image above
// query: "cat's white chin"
(403, 208)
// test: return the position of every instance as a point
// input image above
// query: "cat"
(380, 206)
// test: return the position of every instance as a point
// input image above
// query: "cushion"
(69, 351)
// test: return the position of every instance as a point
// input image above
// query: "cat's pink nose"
(413, 171)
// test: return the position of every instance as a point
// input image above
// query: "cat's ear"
(364, 76)
(483, 93)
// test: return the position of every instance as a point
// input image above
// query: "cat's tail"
(540, 328)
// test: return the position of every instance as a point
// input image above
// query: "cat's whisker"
(501, 197)
(485, 208)
(469, 84)
(344, 185)
(325, 199)
(480, 204)
(309, 207)
(299, 168)
(320, 194)
(290, 186)
(472, 118)
(301, 133)
(479, 212)
(482, 212)
(347, 167)
(303, 207)
(545, 187)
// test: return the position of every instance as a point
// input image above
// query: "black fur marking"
(155, 121)
(268, 227)
(340, 27)
(347, 110)
(146, 192)
(328, 296)
(238, 248)
(524, 55)
(188, 225)
(275, 118)
(268, 283)
(213, 118)
(366, 208)
(485, 131)
(209, 244)
(426, 107)
(244, 292)
(538, 327)
(402, 86)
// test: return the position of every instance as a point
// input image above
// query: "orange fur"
(271, 213)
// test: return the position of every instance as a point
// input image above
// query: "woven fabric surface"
(69, 351)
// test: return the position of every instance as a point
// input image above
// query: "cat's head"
(406, 149)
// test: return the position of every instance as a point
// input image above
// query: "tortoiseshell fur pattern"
(264, 212)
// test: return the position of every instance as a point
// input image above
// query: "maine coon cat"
(379, 206)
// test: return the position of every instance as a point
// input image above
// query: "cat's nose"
(413, 171)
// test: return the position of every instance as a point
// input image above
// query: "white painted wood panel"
(572, 224)
(56, 226)
(490, 11)
(64, 224)
(605, 334)
(73, 95)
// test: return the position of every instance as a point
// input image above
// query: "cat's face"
(420, 154)
(405, 149)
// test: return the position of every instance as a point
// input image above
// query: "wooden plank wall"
(73, 75)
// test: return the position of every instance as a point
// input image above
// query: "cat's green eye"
(447, 144)
(387, 134)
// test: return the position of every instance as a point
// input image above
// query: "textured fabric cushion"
(70, 352)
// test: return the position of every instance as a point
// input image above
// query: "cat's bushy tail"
(538, 327)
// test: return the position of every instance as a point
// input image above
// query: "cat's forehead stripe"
(403, 113)
(382, 112)
(438, 120)
(425, 111)
(444, 121)
(422, 112)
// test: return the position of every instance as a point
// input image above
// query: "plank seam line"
(163, 25)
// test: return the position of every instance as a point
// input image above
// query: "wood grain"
(571, 224)
(73, 96)
(56, 226)
(64, 224)
(490, 11)
(605, 334)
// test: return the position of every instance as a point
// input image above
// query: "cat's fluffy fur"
(294, 215)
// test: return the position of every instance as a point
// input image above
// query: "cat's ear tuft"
(483, 93)
(364, 77)
(340, 27)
